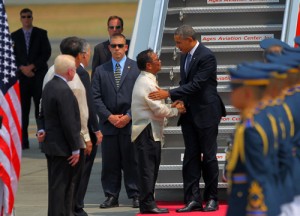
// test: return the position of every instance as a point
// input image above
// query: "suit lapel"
(106, 49)
(182, 71)
(32, 38)
(110, 73)
(193, 60)
(22, 41)
(126, 70)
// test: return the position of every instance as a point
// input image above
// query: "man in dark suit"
(112, 86)
(102, 53)
(60, 120)
(204, 109)
(32, 50)
(93, 126)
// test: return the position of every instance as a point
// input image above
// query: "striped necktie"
(118, 74)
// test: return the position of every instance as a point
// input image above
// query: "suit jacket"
(39, 50)
(93, 123)
(102, 54)
(60, 119)
(198, 89)
(110, 100)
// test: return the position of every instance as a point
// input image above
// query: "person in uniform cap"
(252, 171)
(273, 105)
(292, 99)
(272, 45)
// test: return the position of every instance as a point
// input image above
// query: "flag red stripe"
(12, 107)
(6, 180)
(10, 151)
(16, 160)
(4, 146)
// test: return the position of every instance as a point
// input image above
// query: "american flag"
(10, 110)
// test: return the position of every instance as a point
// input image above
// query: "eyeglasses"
(114, 27)
(28, 17)
(117, 45)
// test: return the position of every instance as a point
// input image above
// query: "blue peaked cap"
(268, 42)
(292, 50)
(248, 76)
(294, 56)
(284, 60)
(267, 67)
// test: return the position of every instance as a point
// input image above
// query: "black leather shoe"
(110, 202)
(80, 212)
(155, 211)
(135, 202)
(191, 206)
(211, 205)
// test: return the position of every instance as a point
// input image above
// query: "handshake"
(179, 105)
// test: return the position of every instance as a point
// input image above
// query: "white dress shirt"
(145, 111)
(49, 75)
(79, 91)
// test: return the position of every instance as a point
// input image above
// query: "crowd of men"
(122, 108)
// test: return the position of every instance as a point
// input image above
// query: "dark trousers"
(29, 88)
(60, 189)
(199, 141)
(118, 155)
(149, 154)
(84, 181)
(79, 171)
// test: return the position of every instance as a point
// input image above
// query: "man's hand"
(179, 105)
(88, 148)
(113, 119)
(27, 70)
(99, 136)
(41, 136)
(123, 121)
(73, 160)
(159, 94)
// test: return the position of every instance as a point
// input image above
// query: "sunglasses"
(28, 17)
(114, 27)
(117, 45)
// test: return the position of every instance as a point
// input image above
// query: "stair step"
(232, 28)
(220, 48)
(176, 69)
(220, 88)
(177, 130)
(227, 9)
(180, 185)
(179, 167)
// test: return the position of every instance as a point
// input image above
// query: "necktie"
(187, 62)
(118, 74)
(27, 39)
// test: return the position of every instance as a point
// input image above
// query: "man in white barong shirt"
(148, 117)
